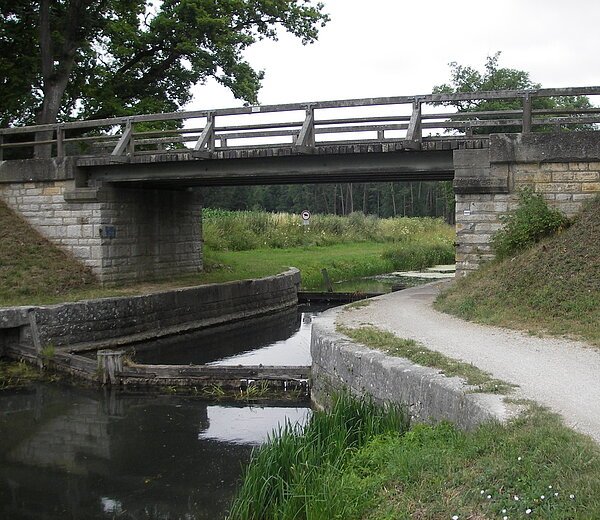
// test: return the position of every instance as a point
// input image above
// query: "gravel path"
(561, 374)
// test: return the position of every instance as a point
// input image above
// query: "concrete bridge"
(120, 195)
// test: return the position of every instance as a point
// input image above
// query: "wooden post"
(125, 142)
(109, 363)
(526, 113)
(327, 280)
(60, 141)
(414, 132)
(305, 142)
(205, 144)
(35, 336)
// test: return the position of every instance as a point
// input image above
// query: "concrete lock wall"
(121, 234)
(341, 364)
(564, 168)
(111, 322)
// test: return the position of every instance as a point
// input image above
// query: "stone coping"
(340, 363)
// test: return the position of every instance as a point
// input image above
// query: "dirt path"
(561, 374)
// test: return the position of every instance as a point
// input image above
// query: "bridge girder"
(291, 169)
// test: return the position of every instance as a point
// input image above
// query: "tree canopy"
(61, 59)
(492, 78)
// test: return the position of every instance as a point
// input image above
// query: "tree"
(493, 78)
(61, 59)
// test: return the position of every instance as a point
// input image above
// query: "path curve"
(561, 374)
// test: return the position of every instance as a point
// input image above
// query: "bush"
(528, 224)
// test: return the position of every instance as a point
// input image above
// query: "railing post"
(60, 141)
(125, 142)
(469, 129)
(131, 142)
(205, 144)
(305, 142)
(526, 113)
(414, 132)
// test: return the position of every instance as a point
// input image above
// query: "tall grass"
(245, 230)
(289, 477)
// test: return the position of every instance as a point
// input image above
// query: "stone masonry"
(564, 168)
(122, 234)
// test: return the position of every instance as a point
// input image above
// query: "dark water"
(68, 453)
(282, 338)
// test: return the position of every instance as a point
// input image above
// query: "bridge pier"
(122, 234)
(563, 167)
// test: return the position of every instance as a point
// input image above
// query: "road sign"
(306, 215)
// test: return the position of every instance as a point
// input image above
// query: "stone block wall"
(564, 168)
(122, 234)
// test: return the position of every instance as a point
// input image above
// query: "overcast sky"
(396, 47)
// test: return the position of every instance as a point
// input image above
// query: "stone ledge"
(339, 363)
(37, 170)
(545, 147)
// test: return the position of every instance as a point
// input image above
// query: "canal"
(70, 452)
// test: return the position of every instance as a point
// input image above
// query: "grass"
(292, 475)
(34, 272)
(418, 353)
(342, 261)
(16, 374)
(553, 287)
(355, 463)
(30, 265)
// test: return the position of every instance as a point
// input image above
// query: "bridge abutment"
(122, 234)
(564, 168)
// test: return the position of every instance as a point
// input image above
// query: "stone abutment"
(122, 234)
(564, 168)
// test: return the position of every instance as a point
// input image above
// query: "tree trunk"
(57, 64)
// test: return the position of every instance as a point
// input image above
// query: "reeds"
(289, 476)
(245, 230)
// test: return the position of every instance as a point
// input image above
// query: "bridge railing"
(303, 126)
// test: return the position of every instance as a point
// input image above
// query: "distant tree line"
(391, 199)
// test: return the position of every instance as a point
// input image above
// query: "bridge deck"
(330, 163)
(376, 139)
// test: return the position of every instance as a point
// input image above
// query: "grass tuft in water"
(290, 476)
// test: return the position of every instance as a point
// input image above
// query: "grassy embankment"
(359, 463)
(553, 287)
(237, 246)
(533, 467)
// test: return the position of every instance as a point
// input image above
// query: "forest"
(390, 199)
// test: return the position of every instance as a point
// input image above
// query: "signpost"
(306, 217)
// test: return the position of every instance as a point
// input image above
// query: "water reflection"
(282, 338)
(68, 453)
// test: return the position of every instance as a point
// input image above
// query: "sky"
(376, 48)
